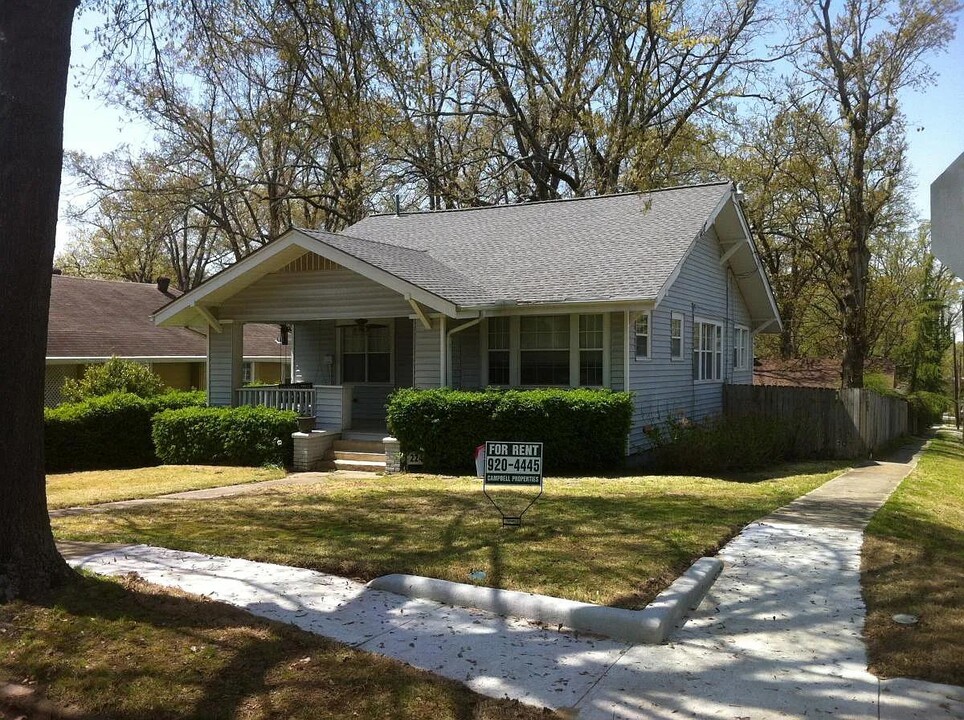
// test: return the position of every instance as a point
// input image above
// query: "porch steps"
(359, 455)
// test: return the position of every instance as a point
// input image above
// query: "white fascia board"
(190, 299)
(596, 306)
(727, 197)
(63, 360)
(759, 267)
(377, 274)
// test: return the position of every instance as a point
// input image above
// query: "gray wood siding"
(328, 408)
(427, 355)
(467, 359)
(225, 349)
(664, 388)
(312, 341)
(617, 354)
(404, 352)
(338, 294)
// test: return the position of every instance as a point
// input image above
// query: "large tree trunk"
(34, 56)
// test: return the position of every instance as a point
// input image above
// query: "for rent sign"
(513, 463)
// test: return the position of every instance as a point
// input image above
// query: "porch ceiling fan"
(364, 325)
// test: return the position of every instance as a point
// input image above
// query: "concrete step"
(366, 456)
(360, 446)
(368, 465)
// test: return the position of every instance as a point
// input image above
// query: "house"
(92, 320)
(817, 372)
(660, 293)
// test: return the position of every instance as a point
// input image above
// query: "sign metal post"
(517, 464)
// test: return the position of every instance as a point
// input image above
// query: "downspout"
(447, 374)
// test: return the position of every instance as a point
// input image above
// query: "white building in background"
(947, 217)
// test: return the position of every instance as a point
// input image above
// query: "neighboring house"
(92, 320)
(659, 293)
(816, 372)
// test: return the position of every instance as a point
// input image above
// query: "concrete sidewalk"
(779, 635)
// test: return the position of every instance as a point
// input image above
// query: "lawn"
(122, 650)
(913, 562)
(100, 486)
(613, 541)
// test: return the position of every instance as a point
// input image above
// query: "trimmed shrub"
(721, 445)
(225, 436)
(114, 376)
(108, 432)
(580, 429)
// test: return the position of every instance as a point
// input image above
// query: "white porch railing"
(330, 404)
(300, 400)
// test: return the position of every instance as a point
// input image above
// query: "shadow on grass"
(128, 650)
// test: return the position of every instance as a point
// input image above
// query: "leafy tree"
(933, 335)
(860, 60)
(115, 375)
(34, 58)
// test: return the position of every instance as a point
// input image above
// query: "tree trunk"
(34, 56)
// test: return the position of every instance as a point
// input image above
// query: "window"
(676, 336)
(741, 347)
(498, 351)
(642, 335)
(590, 349)
(544, 350)
(366, 354)
(707, 350)
(247, 372)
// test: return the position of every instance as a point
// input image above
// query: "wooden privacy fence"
(823, 423)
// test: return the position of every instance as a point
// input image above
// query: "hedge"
(225, 436)
(580, 429)
(107, 432)
(927, 409)
(720, 445)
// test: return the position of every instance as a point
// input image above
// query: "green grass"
(100, 486)
(609, 541)
(913, 562)
(125, 649)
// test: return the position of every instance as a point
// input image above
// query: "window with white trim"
(247, 372)
(590, 349)
(544, 349)
(498, 349)
(676, 336)
(741, 347)
(366, 354)
(642, 328)
(707, 350)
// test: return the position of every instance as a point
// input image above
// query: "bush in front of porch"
(581, 429)
(225, 436)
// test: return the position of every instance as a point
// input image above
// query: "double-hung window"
(676, 336)
(741, 347)
(498, 339)
(544, 349)
(590, 349)
(643, 332)
(366, 354)
(707, 350)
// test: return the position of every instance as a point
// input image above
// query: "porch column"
(225, 355)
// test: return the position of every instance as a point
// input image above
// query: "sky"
(96, 128)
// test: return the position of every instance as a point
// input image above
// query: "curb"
(649, 626)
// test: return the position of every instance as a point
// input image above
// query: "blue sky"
(96, 128)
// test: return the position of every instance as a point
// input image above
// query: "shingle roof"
(580, 250)
(416, 266)
(100, 318)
